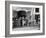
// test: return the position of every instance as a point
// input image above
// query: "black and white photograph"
(25, 18)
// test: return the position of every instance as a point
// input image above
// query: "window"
(36, 10)
(37, 17)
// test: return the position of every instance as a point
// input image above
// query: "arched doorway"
(21, 14)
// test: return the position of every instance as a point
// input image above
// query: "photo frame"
(24, 18)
